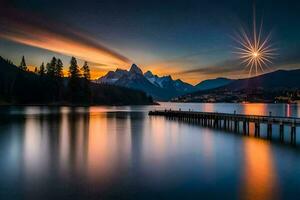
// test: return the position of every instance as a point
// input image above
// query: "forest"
(47, 85)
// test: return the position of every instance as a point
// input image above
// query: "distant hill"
(274, 80)
(280, 84)
(160, 88)
(212, 83)
(23, 87)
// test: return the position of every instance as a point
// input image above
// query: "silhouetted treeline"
(47, 85)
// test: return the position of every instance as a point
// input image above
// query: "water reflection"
(99, 163)
(157, 136)
(64, 144)
(292, 110)
(207, 145)
(259, 174)
(109, 143)
(209, 107)
(255, 109)
(36, 146)
(113, 152)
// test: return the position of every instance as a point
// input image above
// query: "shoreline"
(258, 102)
(74, 105)
(148, 104)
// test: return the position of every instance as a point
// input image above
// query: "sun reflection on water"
(259, 179)
(106, 146)
(255, 109)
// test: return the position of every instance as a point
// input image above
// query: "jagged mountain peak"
(168, 77)
(135, 69)
(148, 74)
(179, 81)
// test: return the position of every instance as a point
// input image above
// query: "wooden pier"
(234, 122)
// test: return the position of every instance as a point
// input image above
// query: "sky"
(192, 40)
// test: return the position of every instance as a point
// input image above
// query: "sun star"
(255, 54)
(254, 50)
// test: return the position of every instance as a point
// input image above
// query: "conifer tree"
(23, 65)
(86, 83)
(51, 67)
(59, 68)
(42, 69)
(86, 71)
(74, 81)
(74, 72)
(48, 69)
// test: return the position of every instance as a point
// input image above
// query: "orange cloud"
(35, 31)
(68, 47)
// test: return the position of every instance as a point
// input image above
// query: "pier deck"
(234, 121)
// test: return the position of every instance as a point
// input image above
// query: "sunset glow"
(69, 47)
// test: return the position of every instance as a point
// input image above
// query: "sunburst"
(255, 50)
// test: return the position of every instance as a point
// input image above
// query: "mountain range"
(159, 87)
(262, 87)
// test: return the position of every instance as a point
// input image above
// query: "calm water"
(122, 153)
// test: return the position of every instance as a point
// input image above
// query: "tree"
(74, 81)
(58, 72)
(8, 61)
(51, 67)
(86, 71)
(86, 83)
(48, 69)
(42, 70)
(74, 72)
(23, 65)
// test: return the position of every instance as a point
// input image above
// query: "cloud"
(33, 30)
(234, 68)
(225, 67)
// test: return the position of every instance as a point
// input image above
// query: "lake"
(122, 153)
